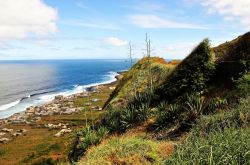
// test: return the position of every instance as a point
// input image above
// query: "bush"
(85, 139)
(195, 106)
(186, 111)
(112, 120)
(133, 115)
(128, 118)
(243, 85)
(167, 115)
(214, 104)
(190, 76)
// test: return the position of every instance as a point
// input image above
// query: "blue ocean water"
(27, 83)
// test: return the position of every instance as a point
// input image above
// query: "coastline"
(59, 105)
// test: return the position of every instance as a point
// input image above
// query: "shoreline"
(59, 105)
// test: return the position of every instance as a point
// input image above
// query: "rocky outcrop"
(4, 140)
(62, 132)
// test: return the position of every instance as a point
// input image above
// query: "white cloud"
(115, 41)
(154, 21)
(178, 50)
(230, 9)
(21, 18)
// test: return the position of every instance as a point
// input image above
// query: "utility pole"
(148, 55)
(130, 54)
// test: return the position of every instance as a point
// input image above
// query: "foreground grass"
(128, 150)
(222, 138)
(231, 146)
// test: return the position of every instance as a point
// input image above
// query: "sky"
(102, 29)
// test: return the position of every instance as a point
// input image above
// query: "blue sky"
(101, 29)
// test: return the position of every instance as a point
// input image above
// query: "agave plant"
(128, 118)
(143, 112)
(86, 130)
(195, 105)
(215, 104)
(102, 132)
(140, 99)
(167, 115)
(112, 120)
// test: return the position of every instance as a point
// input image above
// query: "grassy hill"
(138, 80)
(235, 50)
(189, 110)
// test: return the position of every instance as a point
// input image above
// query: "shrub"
(133, 115)
(112, 120)
(143, 112)
(195, 106)
(167, 115)
(214, 104)
(243, 85)
(190, 76)
(85, 139)
(128, 118)
(102, 132)
(186, 111)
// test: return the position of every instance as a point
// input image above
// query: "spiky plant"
(102, 132)
(195, 106)
(167, 115)
(215, 104)
(112, 120)
(143, 112)
(128, 118)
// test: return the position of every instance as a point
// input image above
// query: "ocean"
(35, 82)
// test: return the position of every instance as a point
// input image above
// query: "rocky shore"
(61, 105)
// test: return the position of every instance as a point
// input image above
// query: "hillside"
(138, 80)
(235, 50)
(176, 114)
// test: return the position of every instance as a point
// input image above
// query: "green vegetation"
(191, 104)
(127, 150)
(235, 50)
(228, 147)
(243, 85)
(118, 120)
(86, 138)
(190, 76)
(136, 80)
(222, 138)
